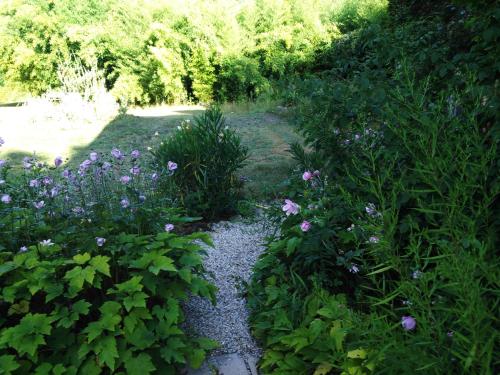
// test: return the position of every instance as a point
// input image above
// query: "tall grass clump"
(209, 154)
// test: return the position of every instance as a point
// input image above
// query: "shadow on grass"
(266, 135)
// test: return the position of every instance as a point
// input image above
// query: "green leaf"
(196, 358)
(8, 364)
(142, 364)
(105, 348)
(81, 258)
(292, 244)
(81, 307)
(138, 299)
(141, 337)
(100, 263)
(171, 351)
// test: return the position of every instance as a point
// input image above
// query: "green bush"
(92, 272)
(209, 154)
(104, 309)
(402, 225)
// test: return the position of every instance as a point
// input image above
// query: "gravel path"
(237, 247)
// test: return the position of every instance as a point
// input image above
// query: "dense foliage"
(166, 51)
(387, 260)
(209, 153)
(92, 273)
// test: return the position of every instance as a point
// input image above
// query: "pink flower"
(305, 226)
(409, 323)
(290, 207)
(171, 166)
(6, 199)
(125, 203)
(34, 183)
(58, 161)
(100, 241)
(169, 227)
(94, 156)
(307, 176)
(125, 179)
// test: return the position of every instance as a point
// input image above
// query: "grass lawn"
(267, 136)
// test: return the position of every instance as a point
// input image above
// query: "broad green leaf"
(323, 369)
(8, 364)
(172, 352)
(81, 258)
(138, 299)
(142, 364)
(100, 263)
(105, 348)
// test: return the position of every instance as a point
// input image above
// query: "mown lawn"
(267, 135)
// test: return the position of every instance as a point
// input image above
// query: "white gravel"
(237, 247)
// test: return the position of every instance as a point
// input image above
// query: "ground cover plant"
(92, 270)
(386, 261)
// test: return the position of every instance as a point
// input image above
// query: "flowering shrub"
(92, 271)
(209, 153)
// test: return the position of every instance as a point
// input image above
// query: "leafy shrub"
(408, 151)
(92, 273)
(92, 310)
(209, 154)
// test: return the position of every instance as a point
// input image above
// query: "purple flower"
(316, 173)
(54, 191)
(354, 269)
(23, 249)
(27, 162)
(124, 203)
(47, 180)
(106, 166)
(78, 210)
(2, 163)
(85, 165)
(6, 199)
(154, 176)
(305, 226)
(450, 333)
(46, 242)
(142, 198)
(135, 170)
(409, 323)
(125, 179)
(290, 207)
(171, 166)
(135, 154)
(39, 205)
(117, 154)
(66, 173)
(2, 141)
(100, 241)
(169, 227)
(34, 183)
(373, 239)
(94, 156)
(307, 176)
(371, 210)
(58, 161)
